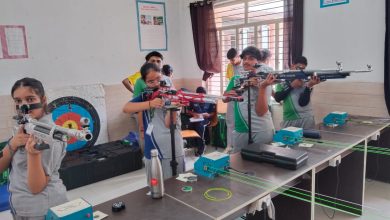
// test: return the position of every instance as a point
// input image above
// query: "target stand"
(85, 162)
(67, 112)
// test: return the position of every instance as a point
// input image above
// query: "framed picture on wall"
(328, 3)
(13, 43)
(152, 25)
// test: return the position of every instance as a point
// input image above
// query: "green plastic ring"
(186, 189)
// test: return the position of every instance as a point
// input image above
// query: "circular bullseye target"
(67, 112)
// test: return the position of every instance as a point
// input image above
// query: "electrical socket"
(375, 137)
(266, 199)
(334, 162)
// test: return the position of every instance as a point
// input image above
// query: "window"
(248, 23)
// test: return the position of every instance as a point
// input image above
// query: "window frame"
(223, 82)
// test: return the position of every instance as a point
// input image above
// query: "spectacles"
(154, 81)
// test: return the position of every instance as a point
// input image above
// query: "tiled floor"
(377, 199)
(376, 204)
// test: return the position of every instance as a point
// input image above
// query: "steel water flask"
(156, 180)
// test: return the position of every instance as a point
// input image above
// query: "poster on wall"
(13, 43)
(328, 3)
(152, 26)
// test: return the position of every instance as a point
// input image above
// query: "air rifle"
(184, 98)
(47, 133)
(290, 75)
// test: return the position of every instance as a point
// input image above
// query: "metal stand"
(172, 126)
(250, 139)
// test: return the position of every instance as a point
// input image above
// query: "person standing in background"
(233, 69)
(265, 64)
(297, 110)
(167, 75)
(130, 82)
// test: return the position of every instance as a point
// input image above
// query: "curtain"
(387, 58)
(208, 54)
(293, 28)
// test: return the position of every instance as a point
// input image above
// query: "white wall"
(190, 66)
(352, 33)
(77, 42)
(96, 41)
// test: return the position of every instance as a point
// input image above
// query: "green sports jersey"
(259, 124)
(291, 108)
(139, 87)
